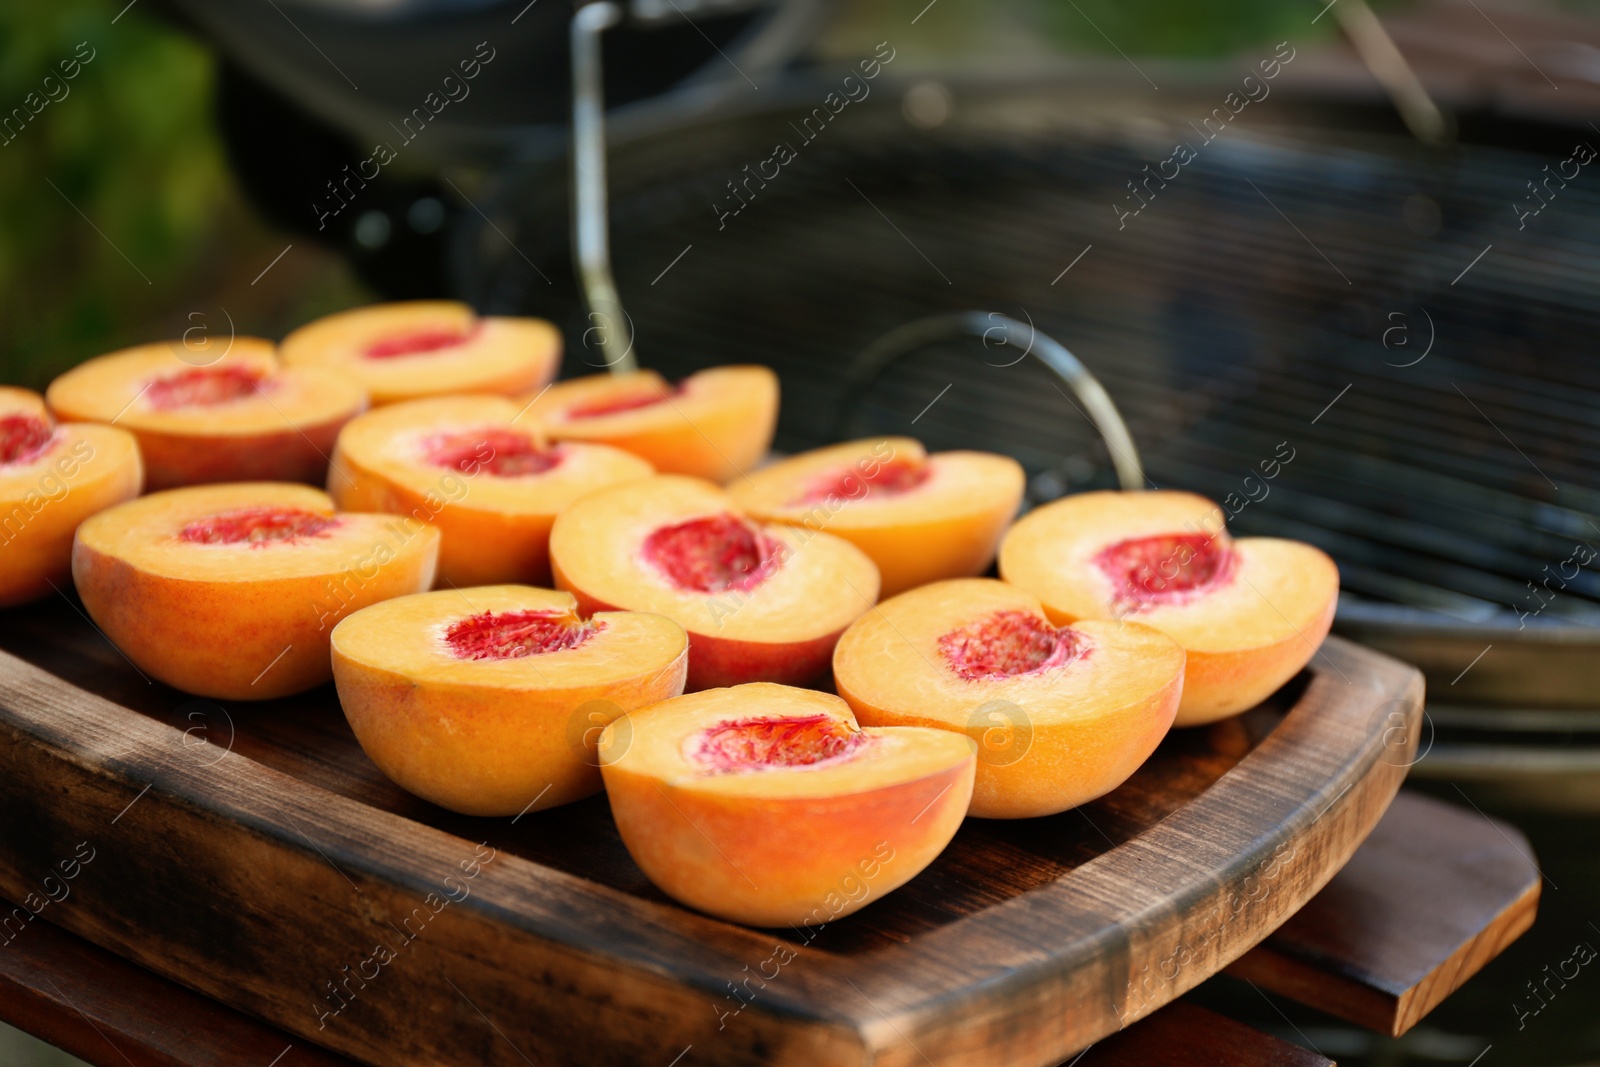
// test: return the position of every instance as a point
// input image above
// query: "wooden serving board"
(254, 854)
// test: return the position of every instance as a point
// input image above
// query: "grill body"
(1343, 336)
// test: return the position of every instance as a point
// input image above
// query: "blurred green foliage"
(1179, 28)
(130, 146)
(119, 218)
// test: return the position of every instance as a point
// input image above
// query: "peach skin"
(490, 701)
(767, 805)
(1250, 613)
(1060, 716)
(231, 591)
(920, 517)
(761, 603)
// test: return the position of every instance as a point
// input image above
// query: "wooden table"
(1434, 894)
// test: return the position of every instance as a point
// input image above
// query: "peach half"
(715, 424)
(231, 591)
(428, 348)
(213, 410)
(490, 701)
(1060, 716)
(1250, 613)
(463, 463)
(920, 517)
(767, 805)
(51, 479)
(761, 603)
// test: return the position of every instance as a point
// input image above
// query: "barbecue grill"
(1323, 298)
(1386, 325)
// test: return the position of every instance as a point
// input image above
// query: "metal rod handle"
(914, 335)
(591, 237)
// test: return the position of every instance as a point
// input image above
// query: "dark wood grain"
(1436, 892)
(109, 1013)
(266, 863)
(1183, 1035)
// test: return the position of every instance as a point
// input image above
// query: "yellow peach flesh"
(716, 425)
(409, 459)
(242, 620)
(213, 412)
(779, 840)
(945, 523)
(56, 477)
(1246, 635)
(496, 736)
(455, 351)
(783, 629)
(1051, 736)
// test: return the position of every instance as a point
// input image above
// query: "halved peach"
(490, 701)
(1250, 613)
(767, 805)
(213, 410)
(1060, 716)
(428, 348)
(51, 479)
(464, 463)
(920, 517)
(231, 591)
(715, 424)
(761, 603)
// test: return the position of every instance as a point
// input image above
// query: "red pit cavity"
(420, 342)
(769, 743)
(514, 634)
(502, 453)
(1166, 569)
(714, 554)
(616, 404)
(886, 479)
(1009, 643)
(204, 387)
(258, 526)
(22, 438)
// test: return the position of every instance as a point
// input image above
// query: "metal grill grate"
(1220, 326)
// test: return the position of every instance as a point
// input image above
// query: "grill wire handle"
(1394, 72)
(591, 237)
(898, 343)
